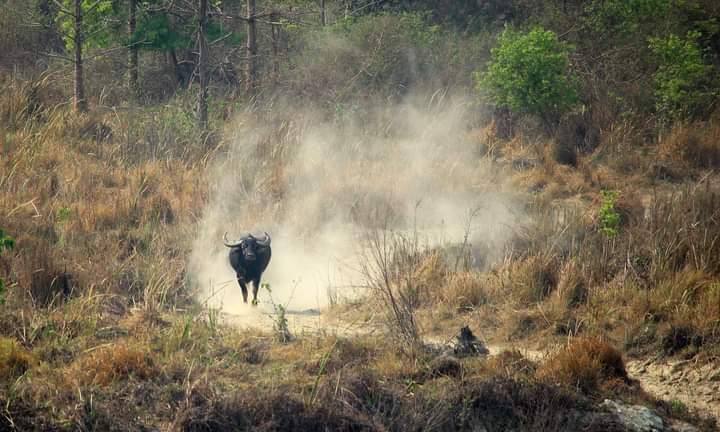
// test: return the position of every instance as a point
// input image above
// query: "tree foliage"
(683, 78)
(630, 58)
(100, 22)
(530, 73)
(625, 16)
(367, 54)
(155, 32)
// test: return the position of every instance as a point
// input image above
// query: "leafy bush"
(530, 73)
(609, 217)
(682, 84)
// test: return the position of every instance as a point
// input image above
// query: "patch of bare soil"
(301, 322)
(695, 386)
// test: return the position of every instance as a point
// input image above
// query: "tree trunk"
(133, 54)
(251, 49)
(202, 109)
(322, 13)
(79, 102)
(179, 76)
(275, 36)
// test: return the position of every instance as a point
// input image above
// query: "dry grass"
(102, 211)
(114, 362)
(465, 291)
(370, 399)
(692, 146)
(534, 278)
(572, 287)
(682, 314)
(431, 275)
(501, 403)
(14, 359)
(509, 364)
(391, 265)
(72, 197)
(340, 353)
(585, 363)
(656, 274)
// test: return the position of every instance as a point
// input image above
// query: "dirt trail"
(301, 322)
(697, 387)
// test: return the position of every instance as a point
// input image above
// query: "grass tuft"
(692, 146)
(585, 363)
(534, 278)
(465, 291)
(116, 362)
(14, 359)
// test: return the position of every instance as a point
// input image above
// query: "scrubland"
(574, 244)
(102, 330)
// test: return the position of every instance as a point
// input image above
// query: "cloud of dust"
(317, 183)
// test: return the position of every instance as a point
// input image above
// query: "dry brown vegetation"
(113, 362)
(14, 359)
(212, 379)
(100, 330)
(691, 146)
(585, 363)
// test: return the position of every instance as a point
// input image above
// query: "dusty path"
(301, 322)
(697, 387)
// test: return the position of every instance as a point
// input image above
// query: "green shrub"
(609, 217)
(682, 80)
(530, 73)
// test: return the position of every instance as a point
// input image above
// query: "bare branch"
(62, 8)
(62, 57)
(243, 17)
(367, 5)
(96, 4)
(221, 38)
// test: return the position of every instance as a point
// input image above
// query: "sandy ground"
(696, 386)
(300, 322)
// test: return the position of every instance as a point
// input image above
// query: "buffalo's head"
(248, 245)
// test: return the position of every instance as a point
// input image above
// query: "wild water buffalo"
(249, 257)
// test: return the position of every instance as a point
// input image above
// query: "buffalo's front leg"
(243, 287)
(256, 287)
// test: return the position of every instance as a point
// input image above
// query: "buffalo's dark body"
(249, 258)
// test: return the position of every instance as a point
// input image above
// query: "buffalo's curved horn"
(265, 241)
(227, 242)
